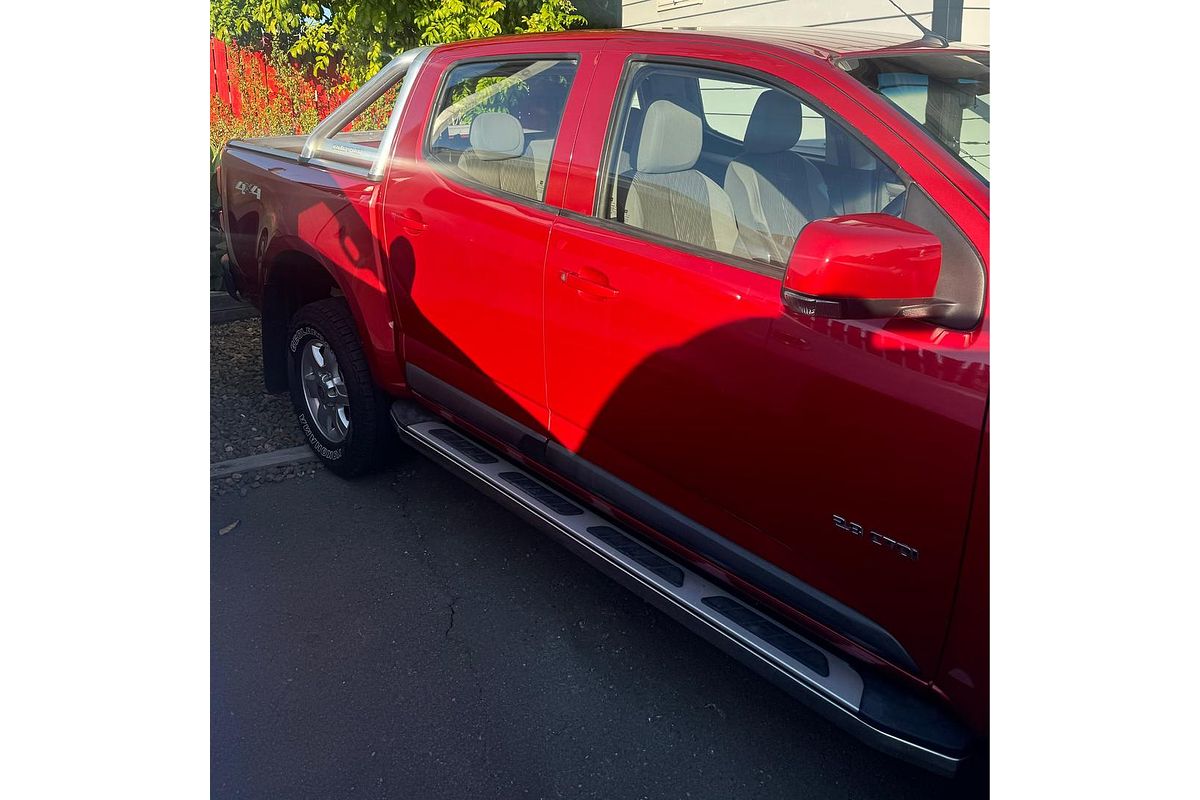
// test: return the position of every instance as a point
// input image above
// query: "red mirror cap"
(874, 256)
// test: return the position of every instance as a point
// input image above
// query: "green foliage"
(553, 15)
(352, 39)
(455, 20)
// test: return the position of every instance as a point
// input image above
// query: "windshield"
(947, 94)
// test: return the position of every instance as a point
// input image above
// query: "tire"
(341, 411)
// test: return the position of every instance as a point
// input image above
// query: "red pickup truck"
(708, 306)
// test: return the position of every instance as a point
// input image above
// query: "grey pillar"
(947, 18)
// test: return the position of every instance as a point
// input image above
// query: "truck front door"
(830, 463)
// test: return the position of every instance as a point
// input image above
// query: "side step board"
(814, 675)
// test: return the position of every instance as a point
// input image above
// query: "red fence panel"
(235, 93)
(220, 64)
(223, 78)
(227, 62)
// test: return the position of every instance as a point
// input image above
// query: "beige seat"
(666, 195)
(498, 157)
(775, 191)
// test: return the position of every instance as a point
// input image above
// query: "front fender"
(963, 675)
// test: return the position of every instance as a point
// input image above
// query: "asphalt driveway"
(402, 636)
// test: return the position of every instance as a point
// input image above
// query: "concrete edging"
(223, 308)
(278, 458)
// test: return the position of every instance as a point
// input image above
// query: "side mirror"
(864, 266)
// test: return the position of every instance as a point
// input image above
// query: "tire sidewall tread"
(366, 441)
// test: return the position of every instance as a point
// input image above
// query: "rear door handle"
(589, 281)
(411, 220)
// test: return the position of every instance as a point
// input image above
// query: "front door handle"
(591, 282)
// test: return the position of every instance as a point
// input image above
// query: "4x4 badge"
(248, 188)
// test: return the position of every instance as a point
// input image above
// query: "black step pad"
(769, 632)
(642, 555)
(546, 497)
(463, 445)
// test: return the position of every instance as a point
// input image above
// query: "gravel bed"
(243, 419)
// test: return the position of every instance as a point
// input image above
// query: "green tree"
(455, 20)
(553, 15)
(356, 37)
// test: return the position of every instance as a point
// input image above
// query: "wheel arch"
(293, 276)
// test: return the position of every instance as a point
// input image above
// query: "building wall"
(600, 13)
(877, 15)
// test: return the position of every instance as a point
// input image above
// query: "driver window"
(731, 164)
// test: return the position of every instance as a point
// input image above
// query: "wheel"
(340, 409)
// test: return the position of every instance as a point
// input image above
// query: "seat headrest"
(843, 150)
(671, 139)
(496, 135)
(774, 124)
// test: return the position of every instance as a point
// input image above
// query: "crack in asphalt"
(452, 606)
(324, 665)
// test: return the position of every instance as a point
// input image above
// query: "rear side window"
(731, 164)
(496, 122)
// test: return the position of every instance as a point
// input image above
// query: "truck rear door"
(469, 200)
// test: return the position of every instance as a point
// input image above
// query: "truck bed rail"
(331, 147)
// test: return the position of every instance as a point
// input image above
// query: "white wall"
(877, 15)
